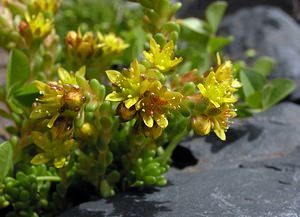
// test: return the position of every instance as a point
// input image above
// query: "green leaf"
(192, 36)
(27, 90)
(255, 100)
(264, 65)
(195, 25)
(217, 43)
(5, 114)
(251, 82)
(6, 159)
(136, 38)
(243, 111)
(26, 95)
(214, 14)
(18, 70)
(277, 90)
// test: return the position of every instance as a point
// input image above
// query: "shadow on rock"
(183, 157)
(129, 204)
(136, 205)
(251, 131)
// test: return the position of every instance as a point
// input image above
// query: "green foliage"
(29, 191)
(18, 70)
(102, 92)
(214, 14)
(202, 34)
(6, 159)
(258, 93)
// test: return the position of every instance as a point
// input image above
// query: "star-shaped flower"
(162, 58)
(216, 92)
(128, 85)
(155, 102)
(53, 149)
(38, 25)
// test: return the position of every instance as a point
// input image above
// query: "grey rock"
(255, 174)
(196, 8)
(271, 32)
(248, 191)
(268, 135)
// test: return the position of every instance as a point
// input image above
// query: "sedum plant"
(107, 101)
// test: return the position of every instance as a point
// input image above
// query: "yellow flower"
(50, 6)
(201, 124)
(220, 119)
(63, 97)
(216, 92)
(83, 46)
(216, 119)
(162, 58)
(111, 43)
(55, 150)
(224, 72)
(155, 102)
(38, 25)
(128, 85)
(147, 97)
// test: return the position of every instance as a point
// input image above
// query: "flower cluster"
(162, 58)
(35, 27)
(47, 6)
(217, 90)
(142, 95)
(53, 148)
(64, 97)
(88, 45)
(63, 104)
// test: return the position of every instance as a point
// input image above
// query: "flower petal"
(148, 120)
(220, 133)
(115, 77)
(135, 69)
(115, 97)
(59, 162)
(131, 102)
(202, 89)
(148, 56)
(154, 47)
(65, 77)
(40, 159)
(168, 49)
(40, 140)
(40, 85)
(52, 120)
(161, 120)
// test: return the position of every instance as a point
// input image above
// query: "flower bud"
(74, 98)
(71, 38)
(87, 130)
(125, 113)
(201, 125)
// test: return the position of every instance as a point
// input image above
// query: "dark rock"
(245, 191)
(268, 135)
(256, 173)
(196, 8)
(270, 32)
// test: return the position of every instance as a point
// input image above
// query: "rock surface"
(196, 8)
(268, 135)
(256, 173)
(271, 32)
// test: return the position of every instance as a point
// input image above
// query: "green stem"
(49, 178)
(170, 148)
